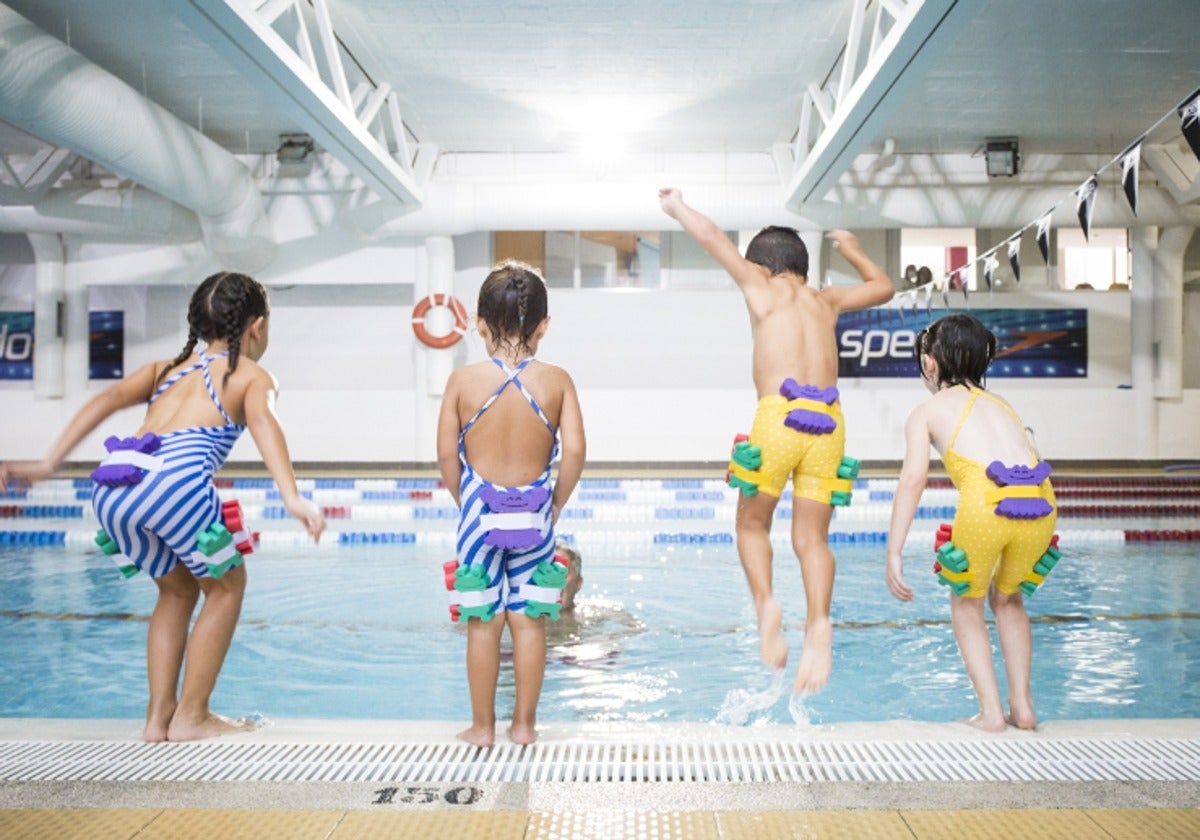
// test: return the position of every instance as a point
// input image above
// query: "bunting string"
(1188, 111)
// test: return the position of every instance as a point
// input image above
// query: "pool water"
(666, 633)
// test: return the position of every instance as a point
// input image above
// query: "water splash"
(257, 721)
(798, 711)
(740, 703)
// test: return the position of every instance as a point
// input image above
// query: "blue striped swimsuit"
(483, 508)
(155, 522)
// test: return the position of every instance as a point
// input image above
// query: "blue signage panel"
(1031, 343)
(106, 345)
(16, 345)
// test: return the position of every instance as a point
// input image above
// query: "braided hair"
(961, 345)
(512, 302)
(221, 307)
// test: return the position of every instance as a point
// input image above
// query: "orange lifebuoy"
(456, 332)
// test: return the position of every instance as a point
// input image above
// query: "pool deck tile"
(184, 824)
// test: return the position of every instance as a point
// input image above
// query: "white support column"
(1168, 310)
(49, 310)
(1143, 241)
(432, 366)
(76, 329)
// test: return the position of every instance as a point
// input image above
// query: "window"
(1099, 262)
(941, 250)
(587, 259)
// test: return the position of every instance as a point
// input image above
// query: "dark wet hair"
(221, 308)
(961, 345)
(779, 250)
(512, 302)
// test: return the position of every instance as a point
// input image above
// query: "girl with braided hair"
(496, 445)
(155, 498)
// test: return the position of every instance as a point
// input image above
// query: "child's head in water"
(221, 309)
(574, 573)
(955, 350)
(780, 250)
(512, 308)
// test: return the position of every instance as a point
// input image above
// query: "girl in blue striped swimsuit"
(498, 436)
(155, 498)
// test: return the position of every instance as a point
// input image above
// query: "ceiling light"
(1002, 156)
(294, 156)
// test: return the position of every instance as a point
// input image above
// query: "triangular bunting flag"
(989, 269)
(1085, 205)
(1130, 162)
(1043, 237)
(945, 293)
(962, 281)
(1189, 114)
(1014, 257)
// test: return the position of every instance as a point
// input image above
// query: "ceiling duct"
(52, 92)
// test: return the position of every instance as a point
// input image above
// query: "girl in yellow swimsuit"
(1000, 542)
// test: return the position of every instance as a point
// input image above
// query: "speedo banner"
(1030, 343)
(106, 345)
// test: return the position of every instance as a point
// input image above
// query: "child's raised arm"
(876, 287)
(263, 423)
(711, 238)
(908, 495)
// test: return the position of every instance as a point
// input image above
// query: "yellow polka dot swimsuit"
(810, 460)
(998, 549)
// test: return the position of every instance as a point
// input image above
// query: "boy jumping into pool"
(1000, 544)
(498, 435)
(798, 429)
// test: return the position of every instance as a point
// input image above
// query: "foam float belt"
(543, 594)
(216, 550)
(109, 547)
(513, 521)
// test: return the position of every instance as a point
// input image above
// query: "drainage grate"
(885, 761)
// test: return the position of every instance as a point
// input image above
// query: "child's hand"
(843, 240)
(23, 472)
(895, 579)
(671, 200)
(310, 515)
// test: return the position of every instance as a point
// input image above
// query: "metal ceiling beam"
(255, 49)
(838, 121)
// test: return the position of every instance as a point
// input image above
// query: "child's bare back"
(509, 444)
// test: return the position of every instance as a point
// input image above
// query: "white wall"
(664, 376)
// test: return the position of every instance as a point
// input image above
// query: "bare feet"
(985, 724)
(480, 736)
(1021, 718)
(211, 727)
(772, 646)
(816, 657)
(158, 721)
(522, 734)
(154, 732)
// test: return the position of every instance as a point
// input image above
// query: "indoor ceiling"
(668, 76)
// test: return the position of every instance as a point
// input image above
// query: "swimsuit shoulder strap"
(515, 378)
(962, 417)
(202, 365)
(511, 377)
(1013, 414)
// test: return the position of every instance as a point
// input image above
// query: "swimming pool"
(358, 628)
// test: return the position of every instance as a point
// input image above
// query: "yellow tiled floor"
(183, 824)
